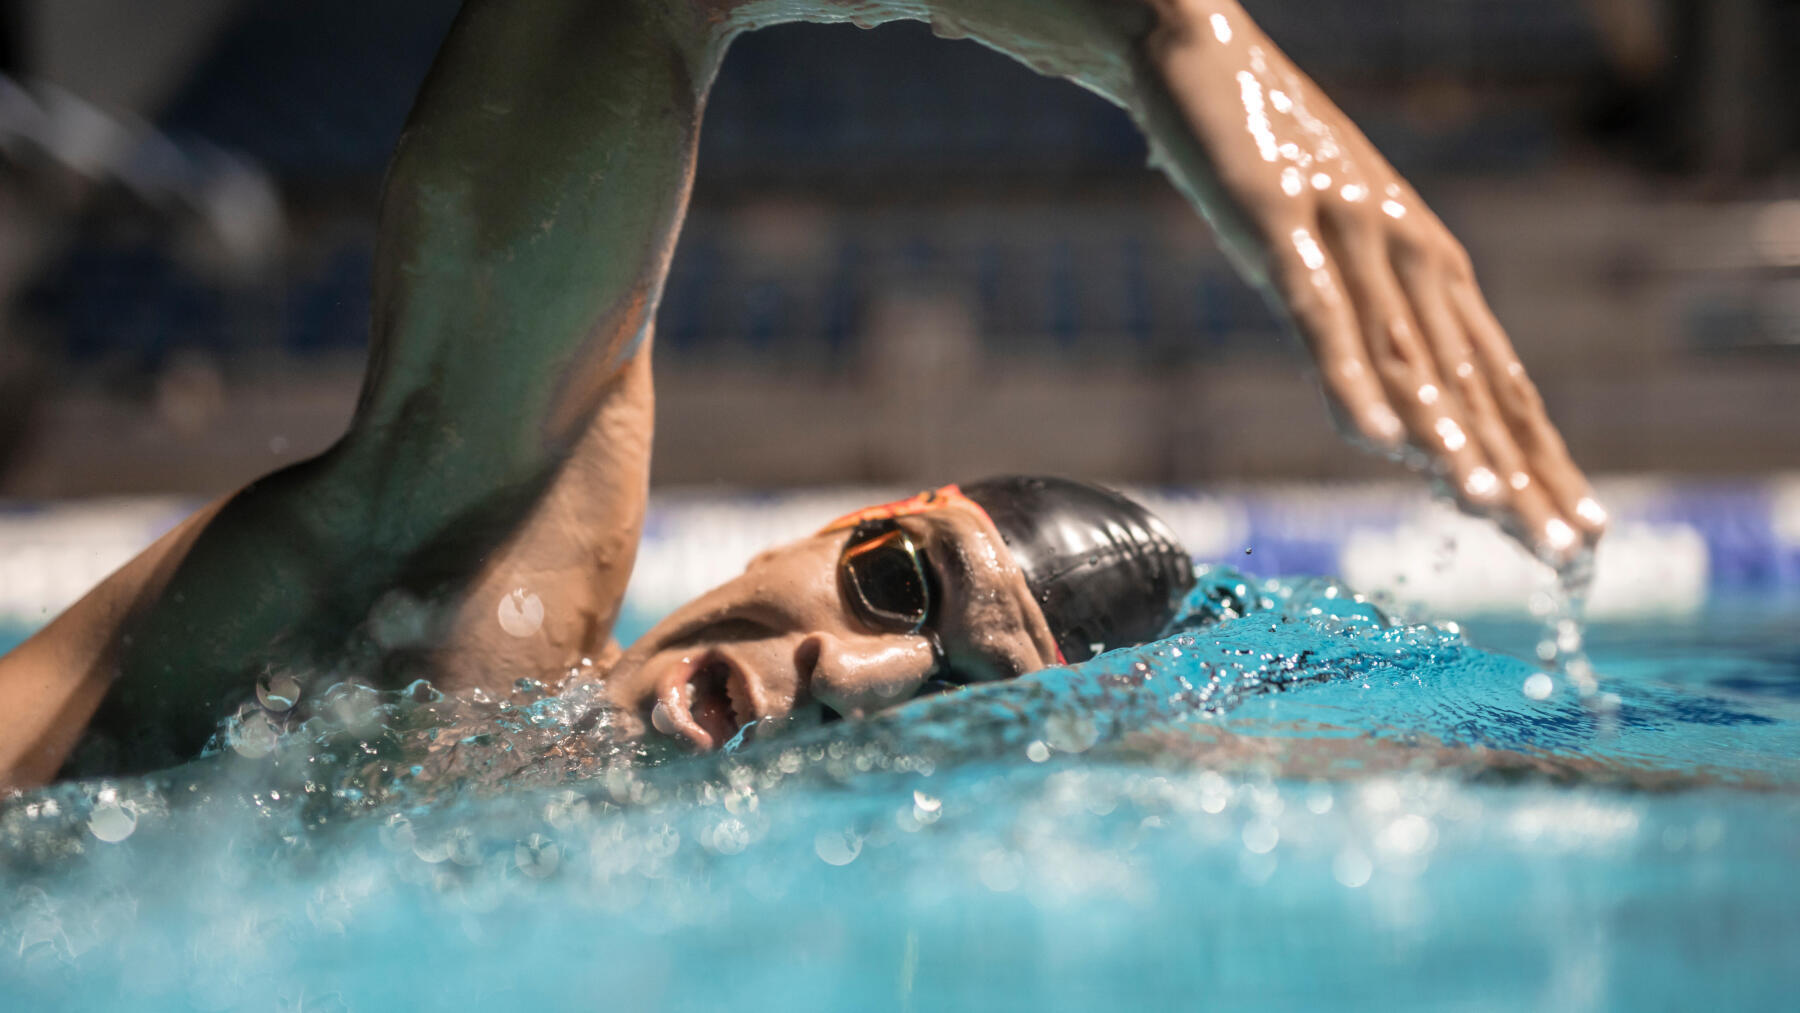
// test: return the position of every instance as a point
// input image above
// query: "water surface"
(1293, 802)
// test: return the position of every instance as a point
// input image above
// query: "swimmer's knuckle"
(1453, 258)
(1472, 391)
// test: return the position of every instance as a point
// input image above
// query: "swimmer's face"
(781, 644)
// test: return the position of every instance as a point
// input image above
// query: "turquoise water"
(1304, 806)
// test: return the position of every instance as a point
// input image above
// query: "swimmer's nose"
(857, 675)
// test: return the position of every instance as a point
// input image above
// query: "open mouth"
(710, 701)
(708, 707)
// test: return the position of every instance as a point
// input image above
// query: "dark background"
(908, 259)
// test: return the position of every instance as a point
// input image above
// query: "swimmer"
(479, 520)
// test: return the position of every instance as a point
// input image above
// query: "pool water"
(1294, 802)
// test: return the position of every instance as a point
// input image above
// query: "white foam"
(1452, 564)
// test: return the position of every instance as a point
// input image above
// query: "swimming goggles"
(887, 582)
(883, 573)
(885, 578)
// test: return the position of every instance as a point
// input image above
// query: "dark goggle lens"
(884, 579)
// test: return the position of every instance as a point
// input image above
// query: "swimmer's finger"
(1311, 289)
(1522, 506)
(1547, 458)
(1397, 351)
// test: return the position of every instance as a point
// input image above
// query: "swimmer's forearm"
(51, 685)
(1102, 45)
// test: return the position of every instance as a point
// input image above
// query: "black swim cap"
(1104, 570)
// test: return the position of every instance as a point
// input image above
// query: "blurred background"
(907, 258)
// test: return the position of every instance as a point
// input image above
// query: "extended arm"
(1409, 354)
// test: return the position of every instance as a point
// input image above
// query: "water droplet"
(1481, 483)
(1000, 871)
(1071, 733)
(1261, 836)
(112, 821)
(1319, 799)
(664, 841)
(537, 856)
(278, 691)
(837, 847)
(1352, 868)
(730, 836)
(1407, 835)
(925, 803)
(254, 737)
(1591, 511)
(1558, 535)
(521, 612)
(1539, 685)
(1037, 752)
(432, 852)
(661, 719)
(397, 833)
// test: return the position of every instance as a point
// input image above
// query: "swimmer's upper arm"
(527, 222)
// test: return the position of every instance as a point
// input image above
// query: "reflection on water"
(1291, 801)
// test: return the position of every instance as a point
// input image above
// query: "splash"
(1288, 747)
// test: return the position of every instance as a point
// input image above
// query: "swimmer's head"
(1105, 572)
(985, 581)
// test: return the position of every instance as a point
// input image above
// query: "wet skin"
(502, 439)
(780, 645)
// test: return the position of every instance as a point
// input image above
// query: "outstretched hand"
(1412, 359)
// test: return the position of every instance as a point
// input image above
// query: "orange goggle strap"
(924, 502)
